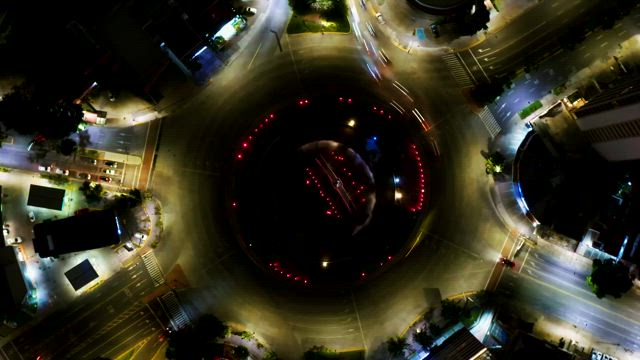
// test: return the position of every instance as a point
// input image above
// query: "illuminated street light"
(325, 263)
(398, 195)
(351, 123)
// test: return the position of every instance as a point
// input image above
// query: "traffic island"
(318, 17)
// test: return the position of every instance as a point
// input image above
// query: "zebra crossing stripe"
(455, 68)
(151, 264)
(489, 122)
(177, 315)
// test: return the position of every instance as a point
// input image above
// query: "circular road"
(442, 249)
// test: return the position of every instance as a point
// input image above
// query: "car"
(44, 168)
(84, 176)
(371, 30)
(363, 4)
(62, 171)
(5, 231)
(112, 164)
(383, 57)
(508, 263)
(32, 216)
(105, 178)
(15, 241)
(90, 160)
(109, 171)
(435, 30)
(380, 18)
(140, 235)
(129, 246)
(250, 10)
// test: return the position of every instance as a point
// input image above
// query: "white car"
(110, 171)
(140, 235)
(380, 18)
(5, 231)
(44, 168)
(16, 241)
(62, 171)
(32, 216)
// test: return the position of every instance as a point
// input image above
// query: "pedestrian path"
(177, 315)
(151, 263)
(489, 122)
(457, 70)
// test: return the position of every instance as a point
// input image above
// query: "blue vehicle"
(420, 34)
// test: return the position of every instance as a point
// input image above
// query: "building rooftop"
(45, 197)
(92, 230)
(12, 286)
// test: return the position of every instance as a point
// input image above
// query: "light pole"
(277, 39)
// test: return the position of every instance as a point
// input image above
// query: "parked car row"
(110, 169)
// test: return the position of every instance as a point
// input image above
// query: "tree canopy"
(397, 345)
(29, 113)
(609, 277)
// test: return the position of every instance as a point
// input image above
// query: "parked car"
(250, 11)
(62, 171)
(129, 246)
(105, 178)
(5, 231)
(112, 164)
(140, 235)
(32, 216)
(110, 171)
(44, 168)
(506, 262)
(435, 30)
(15, 241)
(84, 176)
(380, 18)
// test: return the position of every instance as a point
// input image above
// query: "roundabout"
(436, 251)
(327, 190)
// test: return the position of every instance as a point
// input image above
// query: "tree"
(240, 352)
(29, 112)
(210, 328)
(494, 163)
(486, 93)
(270, 355)
(319, 352)
(67, 146)
(423, 338)
(451, 310)
(609, 277)
(397, 345)
(473, 18)
(91, 191)
(183, 345)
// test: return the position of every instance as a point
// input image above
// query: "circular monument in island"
(326, 191)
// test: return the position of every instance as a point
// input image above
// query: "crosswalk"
(172, 306)
(454, 64)
(151, 263)
(489, 122)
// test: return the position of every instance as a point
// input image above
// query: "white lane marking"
(254, 56)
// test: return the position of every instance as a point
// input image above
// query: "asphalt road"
(555, 286)
(599, 46)
(532, 35)
(104, 322)
(454, 250)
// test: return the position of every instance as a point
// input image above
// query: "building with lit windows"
(610, 121)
